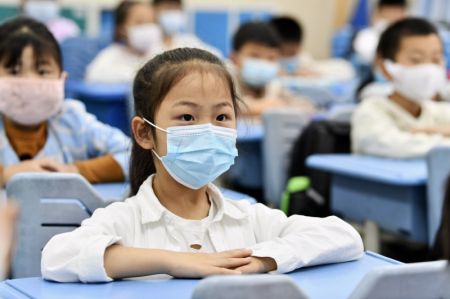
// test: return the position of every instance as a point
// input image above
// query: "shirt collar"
(152, 210)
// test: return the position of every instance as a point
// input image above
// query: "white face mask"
(143, 37)
(418, 83)
(172, 22)
(42, 11)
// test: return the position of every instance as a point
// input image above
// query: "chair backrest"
(248, 287)
(282, 127)
(438, 163)
(78, 52)
(50, 204)
(412, 281)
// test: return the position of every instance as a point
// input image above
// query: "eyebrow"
(195, 105)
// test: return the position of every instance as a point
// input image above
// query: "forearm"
(124, 262)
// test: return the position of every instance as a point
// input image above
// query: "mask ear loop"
(155, 126)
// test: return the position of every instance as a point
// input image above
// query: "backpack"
(307, 191)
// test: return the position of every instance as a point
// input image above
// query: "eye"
(15, 70)
(187, 117)
(43, 72)
(222, 117)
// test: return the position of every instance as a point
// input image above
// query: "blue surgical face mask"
(258, 72)
(42, 11)
(290, 65)
(198, 154)
(172, 22)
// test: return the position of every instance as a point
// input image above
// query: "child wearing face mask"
(47, 12)
(39, 131)
(296, 62)
(408, 122)
(177, 222)
(255, 63)
(386, 12)
(135, 34)
(174, 25)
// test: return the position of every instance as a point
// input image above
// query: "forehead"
(424, 43)
(200, 84)
(251, 47)
(140, 10)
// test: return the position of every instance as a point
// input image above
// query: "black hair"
(402, 3)
(257, 32)
(158, 2)
(120, 17)
(391, 38)
(154, 81)
(20, 32)
(288, 28)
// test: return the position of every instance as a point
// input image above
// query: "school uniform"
(381, 127)
(141, 221)
(100, 152)
(115, 64)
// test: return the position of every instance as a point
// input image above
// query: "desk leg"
(371, 236)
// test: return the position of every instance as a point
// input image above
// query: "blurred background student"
(39, 130)
(173, 21)
(407, 123)
(295, 61)
(385, 13)
(255, 57)
(48, 12)
(135, 33)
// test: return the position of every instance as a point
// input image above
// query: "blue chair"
(342, 42)
(412, 281)
(50, 204)
(248, 287)
(78, 52)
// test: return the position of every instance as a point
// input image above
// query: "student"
(178, 223)
(295, 61)
(134, 35)
(174, 22)
(39, 131)
(47, 11)
(8, 215)
(255, 59)
(386, 12)
(407, 123)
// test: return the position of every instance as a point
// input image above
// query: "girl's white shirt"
(141, 221)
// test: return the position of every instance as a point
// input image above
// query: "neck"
(256, 93)
(168, 40)
(410, 106)
(22, 127)
(180, 200)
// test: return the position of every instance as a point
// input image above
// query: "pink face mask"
(30, 101)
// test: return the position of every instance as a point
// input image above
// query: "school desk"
(390, 192)
(335, 281)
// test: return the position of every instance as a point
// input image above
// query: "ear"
(379, 63)
(142, 133)
(234, 57)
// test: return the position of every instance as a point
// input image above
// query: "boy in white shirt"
(408, 122)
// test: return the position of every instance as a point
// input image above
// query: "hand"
(40, 165)
(196, 265)
(445, 131)
(258, 265)
(8, 216)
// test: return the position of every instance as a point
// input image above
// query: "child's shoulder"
(73, 113)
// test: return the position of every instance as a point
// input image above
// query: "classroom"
(225, 149)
